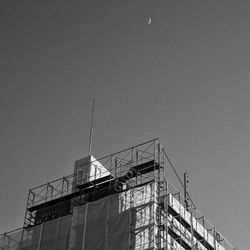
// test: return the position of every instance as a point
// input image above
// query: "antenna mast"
(186, 181)
(91, 127)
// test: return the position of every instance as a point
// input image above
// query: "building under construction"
(122, 201)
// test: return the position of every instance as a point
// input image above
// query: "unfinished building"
(122, 201)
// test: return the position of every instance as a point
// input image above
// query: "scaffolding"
(123, 201)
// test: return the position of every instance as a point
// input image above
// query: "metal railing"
(119, 165)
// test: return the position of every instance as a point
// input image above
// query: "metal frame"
(170, 224)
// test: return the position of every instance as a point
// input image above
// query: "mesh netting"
(120, 221)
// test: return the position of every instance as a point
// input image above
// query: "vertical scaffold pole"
(20, 244)
(28, 205)
(107, 224)
(8, 239)
(132, 165)
(116, 180)
(166, 216)
(158, 193)
(84, 226)
(214, 236)
(136, 157)
(179, 225)
(110, 167)
(116, 166)
(40, 237)
(154, 234)
(26, 214)
(57, 228)
(138, 176)
(192, 228)
(47, 191)
(129, 231)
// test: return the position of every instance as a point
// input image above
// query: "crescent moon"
(149, 20)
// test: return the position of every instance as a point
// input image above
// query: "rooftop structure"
(121, 201)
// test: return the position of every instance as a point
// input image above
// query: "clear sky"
(184, 78)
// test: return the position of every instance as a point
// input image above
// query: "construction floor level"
(122, 201)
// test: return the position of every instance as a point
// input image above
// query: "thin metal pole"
(214, 236)
(57, 229)
(91, 128)
(85, 224)
(158, 195)
(166, 215)
(185, 191)
(107, 224)
(40, 237)
(192, 228)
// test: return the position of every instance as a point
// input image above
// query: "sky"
(183, 78)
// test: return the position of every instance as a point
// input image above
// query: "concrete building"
(121, 201)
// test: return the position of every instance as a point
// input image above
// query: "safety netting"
(121, 221)
(118, 221)
(11, 241)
